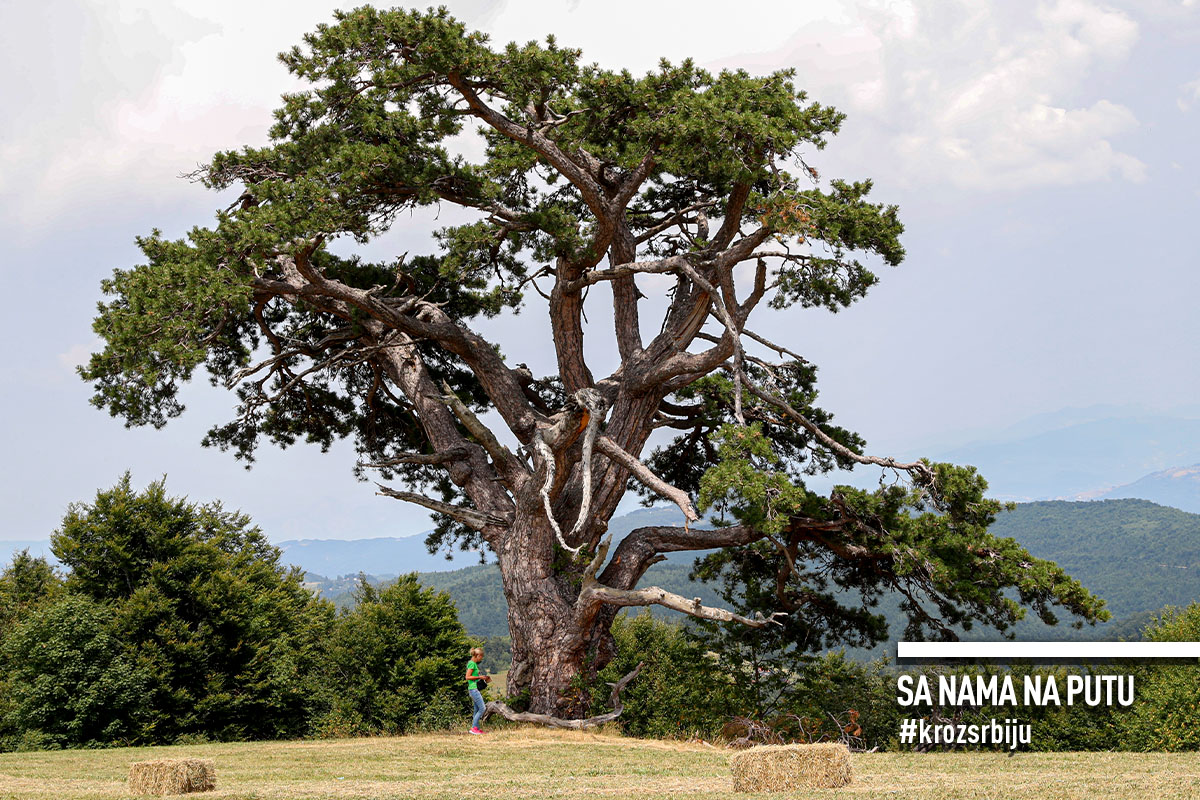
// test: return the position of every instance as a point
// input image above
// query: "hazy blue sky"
(1043, 155)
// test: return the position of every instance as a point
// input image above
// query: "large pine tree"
(590, 182)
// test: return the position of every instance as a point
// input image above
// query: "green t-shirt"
(473, 669)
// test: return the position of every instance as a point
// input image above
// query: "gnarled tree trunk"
(549, 646)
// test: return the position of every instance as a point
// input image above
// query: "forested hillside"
(480, 600)
(1137, 555)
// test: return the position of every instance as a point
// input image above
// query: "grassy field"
(526, 762)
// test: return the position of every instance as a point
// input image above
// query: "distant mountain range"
(1137, 555)
(1178, 487)
(384, 556)
(334, 558)
(1079, 458)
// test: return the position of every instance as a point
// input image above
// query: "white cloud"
(1038, 145)
(977, 94)
(148, 89)
(999, 120)
(1190, 96)
(125, 111)
(1106, 33)
(77, 355)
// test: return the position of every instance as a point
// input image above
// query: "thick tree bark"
(551, 645)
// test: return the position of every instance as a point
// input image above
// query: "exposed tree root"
(497, 707)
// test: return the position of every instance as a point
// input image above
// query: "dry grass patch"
(531, 762)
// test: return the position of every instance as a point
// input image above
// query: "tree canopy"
(679, 192)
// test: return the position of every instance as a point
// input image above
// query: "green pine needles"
(582, 186)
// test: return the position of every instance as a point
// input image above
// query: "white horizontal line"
(1060, 650)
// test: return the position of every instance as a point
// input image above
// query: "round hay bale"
(172, 776)
(777, 768)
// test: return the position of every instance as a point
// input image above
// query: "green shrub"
(28, 742)
(1166, 713)
(338, 722)
(25, 583)
(71, 680)
(390, 658)
(446, 710)
(679, 693)
(224, 635)
(829, 696)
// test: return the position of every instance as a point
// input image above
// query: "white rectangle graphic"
(1066, 651)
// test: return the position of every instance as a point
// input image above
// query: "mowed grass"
(538, 763)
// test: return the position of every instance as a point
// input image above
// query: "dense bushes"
(398, 653)
(1166, 715)
(688, 688)
(176, 621)
(201, 604)
(70, 679)
(680, 691)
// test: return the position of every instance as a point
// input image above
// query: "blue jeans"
(477, 699)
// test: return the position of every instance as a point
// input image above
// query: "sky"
(1042, 154)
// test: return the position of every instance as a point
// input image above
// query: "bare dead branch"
(647, 477)
(917, 469)
(595, 592)
(500, 454)
(467, 516)
(497, 707)
(783, 351)
(547, 454)
(656, 267)
(596, 407)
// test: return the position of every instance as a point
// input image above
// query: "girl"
(474, 678)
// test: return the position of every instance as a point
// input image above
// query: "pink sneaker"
(475, 731)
